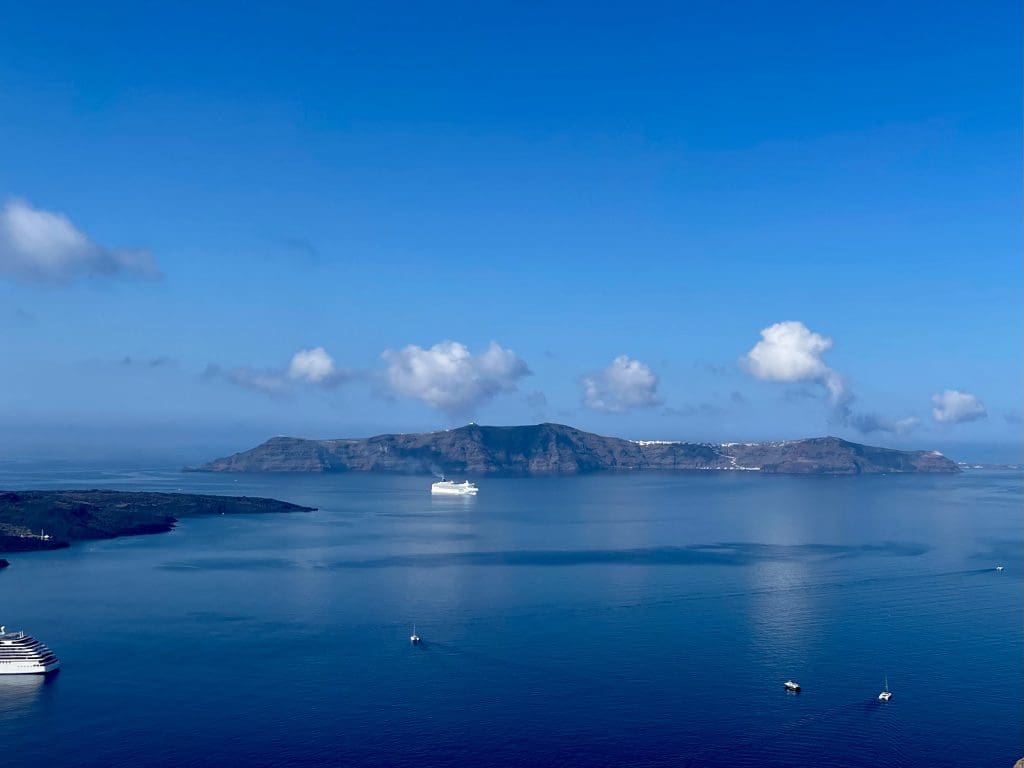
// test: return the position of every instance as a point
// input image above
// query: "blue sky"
(621, 197)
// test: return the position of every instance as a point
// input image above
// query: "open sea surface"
(619, 620)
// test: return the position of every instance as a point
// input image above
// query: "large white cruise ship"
(21, 654)
(449, 488)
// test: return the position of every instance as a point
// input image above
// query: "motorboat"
(445, 487)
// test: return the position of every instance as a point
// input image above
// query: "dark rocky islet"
(40, 520)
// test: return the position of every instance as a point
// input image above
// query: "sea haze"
(644, 620)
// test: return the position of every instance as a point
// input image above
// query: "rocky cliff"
(545, 449)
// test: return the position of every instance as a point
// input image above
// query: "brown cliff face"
(551, 449)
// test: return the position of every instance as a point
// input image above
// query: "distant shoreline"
(557, 449)
(975, 465)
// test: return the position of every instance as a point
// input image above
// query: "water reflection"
(784, 611)
(451, 501)
(19, 693)
(560, 618)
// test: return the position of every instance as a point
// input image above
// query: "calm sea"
(617, 620)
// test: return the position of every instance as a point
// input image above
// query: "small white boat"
(449, 488)
(792, 686)
(999, 567)
(886, 694)
(414, 638)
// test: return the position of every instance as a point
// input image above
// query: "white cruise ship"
(21, 654)
(448, 488)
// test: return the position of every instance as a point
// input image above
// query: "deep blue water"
(605, 620)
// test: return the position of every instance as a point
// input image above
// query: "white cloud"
(309, 366)
(624, 385)
(906, 425)
(790, 352)
(954, 407)
(162, 361)
(263, 381)
(447, 376)
(42, 246)
(313, 365)
(867, 423)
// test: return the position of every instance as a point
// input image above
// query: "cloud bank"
(955, 407)
(623, 386)
(42, 246)
(450, 378)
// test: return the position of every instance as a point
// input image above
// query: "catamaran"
(886, 694)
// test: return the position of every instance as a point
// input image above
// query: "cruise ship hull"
(27, 668)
